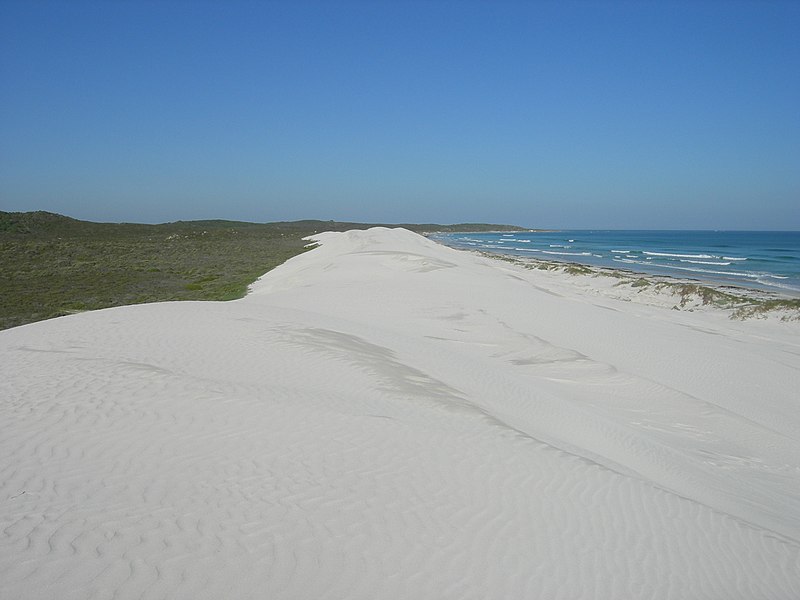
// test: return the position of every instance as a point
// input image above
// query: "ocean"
(763, 260)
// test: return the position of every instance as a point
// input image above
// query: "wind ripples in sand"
(412, 422)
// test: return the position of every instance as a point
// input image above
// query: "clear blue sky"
(544, 114)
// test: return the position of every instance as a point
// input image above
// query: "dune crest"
(385, 417)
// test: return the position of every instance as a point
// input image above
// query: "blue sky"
(544, 114)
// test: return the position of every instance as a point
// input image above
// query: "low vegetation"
(789, 309)
(52, 265)
(740, 303)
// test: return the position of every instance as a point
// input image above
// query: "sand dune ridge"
(384, 417)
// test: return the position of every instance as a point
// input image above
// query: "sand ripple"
(387, 418)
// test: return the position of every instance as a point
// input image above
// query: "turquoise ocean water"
(765, 260)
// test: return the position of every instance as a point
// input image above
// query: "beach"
(385, 417)
(757, 261)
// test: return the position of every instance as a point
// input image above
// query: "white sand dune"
(384, 417)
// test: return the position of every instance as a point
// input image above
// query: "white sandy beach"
(384, 417)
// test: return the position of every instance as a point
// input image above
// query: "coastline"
(468, 425)
(666, 290)
(752, 260)
(680, 293)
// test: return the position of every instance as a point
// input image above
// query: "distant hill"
(29, 222)
(47, 223)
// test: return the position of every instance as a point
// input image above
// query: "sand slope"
(384, 417)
